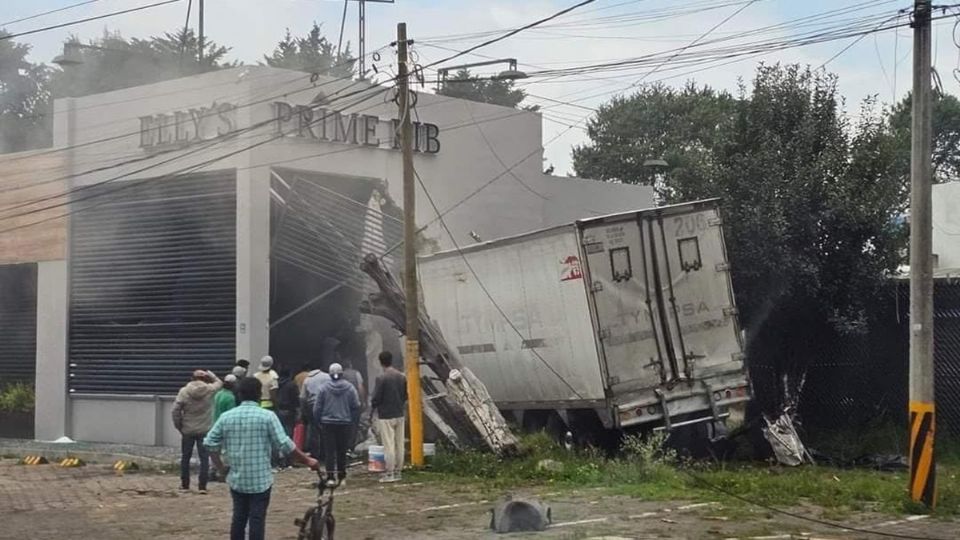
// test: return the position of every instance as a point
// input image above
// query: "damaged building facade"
(188, 223)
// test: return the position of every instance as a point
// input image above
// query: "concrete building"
(187, 223)
(946, 226)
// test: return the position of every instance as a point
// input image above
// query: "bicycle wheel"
(306, 525)
(322, 525)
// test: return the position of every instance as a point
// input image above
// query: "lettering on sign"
(181, 128)
(321, 124)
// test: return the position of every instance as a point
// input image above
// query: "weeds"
(17, 397)
(646, 469)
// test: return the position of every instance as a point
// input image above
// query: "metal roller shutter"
(18, 323)
(153, 285)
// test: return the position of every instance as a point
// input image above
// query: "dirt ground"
(94, 502)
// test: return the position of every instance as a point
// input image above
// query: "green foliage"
(24, 99)
(497, 92)
(17, 397)
(809, 199)
(312, 53)
(121, 63)
(645, 469)
(946, 136)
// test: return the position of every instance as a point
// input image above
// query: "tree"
(118, 63)
(946, 136)
(683, 127)
(24, 99)
(494, 91)
(809, 201)
(312, 53)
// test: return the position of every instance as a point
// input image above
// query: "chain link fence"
(858, 380)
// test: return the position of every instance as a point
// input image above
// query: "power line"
(486, 291)
(512, 33)
(88, 19)
(52, 11)
(173, 150)
(31, 155)
(133, 183)
(694, 42)
(776, 510)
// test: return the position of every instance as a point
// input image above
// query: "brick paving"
(94, 502)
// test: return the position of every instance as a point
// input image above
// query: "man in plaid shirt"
(249, 435)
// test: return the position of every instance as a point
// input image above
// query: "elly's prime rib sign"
(311, 122)
(321, 124)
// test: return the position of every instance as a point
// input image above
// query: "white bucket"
(376, 461)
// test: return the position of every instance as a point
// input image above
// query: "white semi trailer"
(627, 318)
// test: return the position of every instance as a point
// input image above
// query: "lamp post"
(510, 74)
(658, 166)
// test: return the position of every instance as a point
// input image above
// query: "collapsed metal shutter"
(153, 284)
(18, 323)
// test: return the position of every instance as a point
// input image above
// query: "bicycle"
(318, 523)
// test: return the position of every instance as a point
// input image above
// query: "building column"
(50, 421)
(253, 263)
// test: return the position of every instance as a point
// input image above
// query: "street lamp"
(71, 53)
(509, 74)
(658, 166)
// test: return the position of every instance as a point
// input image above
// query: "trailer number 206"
(690, 225)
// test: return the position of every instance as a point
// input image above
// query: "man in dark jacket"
(336, 410)
(287, 407)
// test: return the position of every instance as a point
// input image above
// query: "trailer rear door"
(627, 315)
(696, 289)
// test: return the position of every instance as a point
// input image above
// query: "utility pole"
(200, 37)
(922, 413)
(362, 38)
(412, 357)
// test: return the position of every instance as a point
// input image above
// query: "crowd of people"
(249, 426)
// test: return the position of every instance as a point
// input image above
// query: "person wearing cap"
(193, 417)
(269, 381)
(336, 410)
(315, 380)
(241, 368)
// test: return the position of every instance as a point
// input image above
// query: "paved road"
(93, 502)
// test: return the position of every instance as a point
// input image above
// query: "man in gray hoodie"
(193, 417)
(336, 410)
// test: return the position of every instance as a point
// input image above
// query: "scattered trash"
(665, 520)
(520, 515)
(786, 444)
(877, 462)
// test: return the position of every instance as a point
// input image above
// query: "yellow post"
(412, 356)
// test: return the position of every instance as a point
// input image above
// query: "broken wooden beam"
(461, 401)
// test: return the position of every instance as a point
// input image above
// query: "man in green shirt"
(249, 435)
(225, 399)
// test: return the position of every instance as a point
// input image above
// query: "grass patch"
(644, 470)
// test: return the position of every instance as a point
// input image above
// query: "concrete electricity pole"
(412, 356)
(922, 463)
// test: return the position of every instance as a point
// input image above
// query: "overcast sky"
(877, 64)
